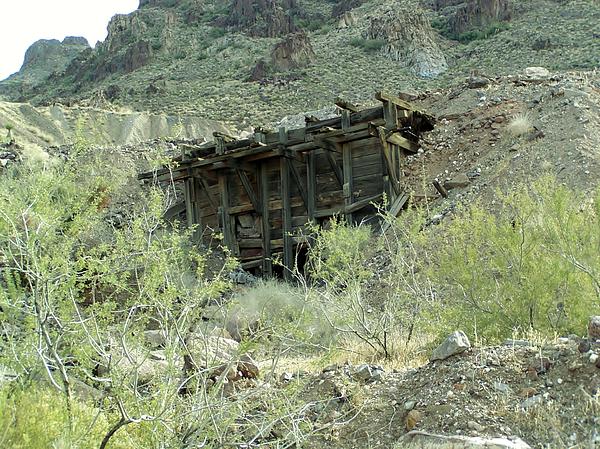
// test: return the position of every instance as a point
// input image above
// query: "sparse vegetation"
(520, 125)
(368, 45)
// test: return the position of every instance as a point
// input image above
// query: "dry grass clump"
(520, 124)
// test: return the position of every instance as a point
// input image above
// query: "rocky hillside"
(236, 60)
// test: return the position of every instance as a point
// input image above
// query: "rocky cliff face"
(47, 56)
(409, 40)
(293, 52)
(463, 16)
(265, 18)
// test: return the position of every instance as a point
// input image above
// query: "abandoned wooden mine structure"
(261, 192)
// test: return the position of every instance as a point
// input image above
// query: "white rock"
(455, 344)
(537, 73)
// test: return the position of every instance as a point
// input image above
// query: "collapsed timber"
(262, 192)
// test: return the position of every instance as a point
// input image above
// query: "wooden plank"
(395, 209)
(189, 210)
(226, 220)
(394, 181)
(358, 205)
(335, 167)
(249, 190)
(288, 249)
(346, 105)
(397, 139)
(387, 97)
(299, 183)
(267, 265)
(348, 187)
(206, 189)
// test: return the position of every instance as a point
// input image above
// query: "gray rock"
(532, 402)
(155, 339)
(536, 73)
(594, 328)
(477, 82)
(409, 405)
(416, 439)
(367, 373)
(455, 344)
(459, 181)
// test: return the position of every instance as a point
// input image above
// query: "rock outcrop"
(463, 16)
(344, 6)
(265, 18)
(294, 52)
(409, 39)
(45, 57)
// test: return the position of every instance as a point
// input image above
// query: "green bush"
(368, 45)
(36, 418)
(533, 264)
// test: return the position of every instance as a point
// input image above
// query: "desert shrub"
(520, 125)
(276, 314)
(532, 264)
(372, 288)
(73, 282)
(482, 33)
(368, 45)
(31, 419)
(338, 254)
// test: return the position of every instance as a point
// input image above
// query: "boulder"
(459, 181)
(409, 39)
(416, 439)
(594, 328)
(536, 73)
(216, 356)
(367, 373)
(294, 52)
(456, 343)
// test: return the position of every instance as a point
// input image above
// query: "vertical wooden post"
(286, 211)
(311, 183)
(227, 221)
(220, 145)
(189, 208)
(266, 226)
(348, 187)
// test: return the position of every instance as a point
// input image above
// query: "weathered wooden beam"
(227, 220)
(249, 190)
(384, 96)
(440, 188)
(189, 209)
(209, 197)
(358, 205)
(397, 139)
(348, 186)
(311, 183)
(395, 209)
(299, 183)
(389, 163)
(288, 248)
(267, 265)
(335, 167)
(346, 105)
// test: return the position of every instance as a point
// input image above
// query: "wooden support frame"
(298, 181)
